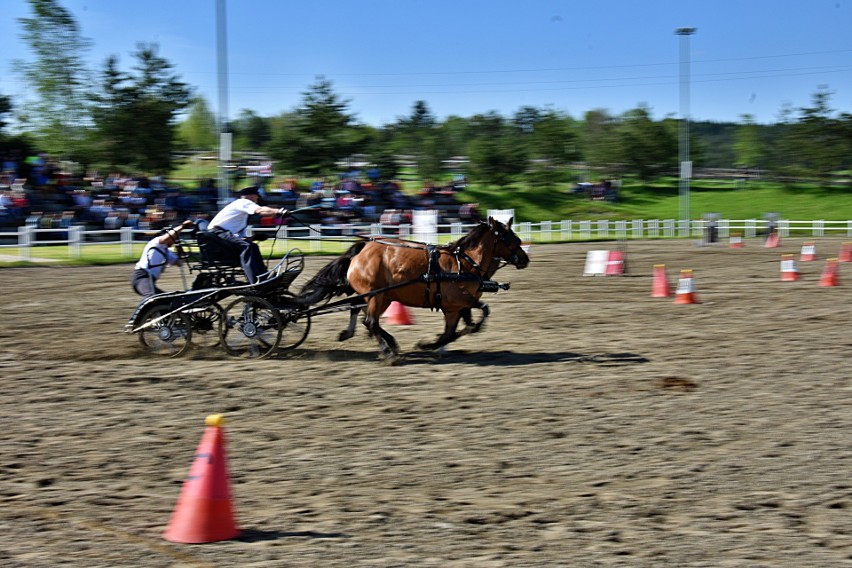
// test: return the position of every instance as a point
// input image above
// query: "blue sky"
(465, 57)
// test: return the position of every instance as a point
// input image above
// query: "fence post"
(24, 242)
(585, 230)
(654, 228)
(127, 241)
(314, 230)
(565, 230)
(637, 228)
(750, 228)
(526, 232)
(603, 228)
(784, 228)
(456, 231)
(621, 229)
(547, 227)
(75, 238)
(819, 228)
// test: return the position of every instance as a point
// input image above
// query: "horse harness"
(435, 275)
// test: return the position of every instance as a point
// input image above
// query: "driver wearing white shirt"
(230, 224)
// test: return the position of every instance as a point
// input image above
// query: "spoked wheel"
(169, 336)
(297, 324)
(251, 328)
(206, 325)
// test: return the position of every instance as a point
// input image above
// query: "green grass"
(661, 200)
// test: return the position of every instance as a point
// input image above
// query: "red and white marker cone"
(685, 293)
(808, 252)
(789, 271)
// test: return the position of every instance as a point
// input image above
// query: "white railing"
(25, 239)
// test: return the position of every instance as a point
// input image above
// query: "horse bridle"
(513, 248)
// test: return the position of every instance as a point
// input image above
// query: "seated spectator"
(468, 213)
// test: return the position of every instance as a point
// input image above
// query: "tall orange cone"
(736, 241)
(203, 512)
(830, 276)
(773, 240)
(845, 254)
(808, 252)
(397, 314)
(660, 286)
(685, 293)
(789, 272)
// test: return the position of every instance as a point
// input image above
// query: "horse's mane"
(470, 240)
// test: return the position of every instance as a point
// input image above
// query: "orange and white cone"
(685, 293)
(808, 252)
(845, 254)
(736, 241)
(773, 240)
(204, 512)
(660, 285)
(789, 272)
(830, 274)
(397, 314)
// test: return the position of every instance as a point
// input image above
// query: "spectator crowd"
(35, 192)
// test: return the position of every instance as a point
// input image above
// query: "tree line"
(135, 121)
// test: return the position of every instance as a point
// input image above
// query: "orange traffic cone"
(736, 241)
(397, 314)
(660, 286)
(845, 254)
(685, 293)
(830, 276)
(203, 512)
(789, 272)
(808, 252)
(772, 241)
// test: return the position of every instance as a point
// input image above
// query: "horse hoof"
(344, 335)
(392, 360)
(423, 346)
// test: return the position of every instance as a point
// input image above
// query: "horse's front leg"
(467, 317)
(451, 322)
(350, 329)
(388, 346)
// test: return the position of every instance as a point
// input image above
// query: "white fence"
(75, 238)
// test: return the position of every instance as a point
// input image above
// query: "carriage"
(256, 320)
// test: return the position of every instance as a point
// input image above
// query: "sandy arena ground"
(589, 424)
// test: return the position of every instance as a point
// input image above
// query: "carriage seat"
(216, 252)
(218, 263)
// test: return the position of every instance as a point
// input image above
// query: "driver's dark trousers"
(251, 258)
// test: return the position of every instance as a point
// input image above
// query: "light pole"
(685, 162)
(224, 129)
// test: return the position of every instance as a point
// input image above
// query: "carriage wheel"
(170, 336)
(251, 328)
(206, 325)
(297, 324)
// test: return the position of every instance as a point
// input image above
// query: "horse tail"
(331, 280)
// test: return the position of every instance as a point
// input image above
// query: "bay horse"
(447, 278)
